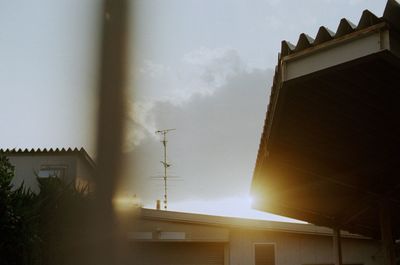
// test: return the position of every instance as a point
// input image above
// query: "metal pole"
(165, 164)
(386, 234)
(165, 170)
(337, 246)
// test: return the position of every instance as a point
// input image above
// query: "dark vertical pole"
(105, 249)
(337, 246)
(386, 234)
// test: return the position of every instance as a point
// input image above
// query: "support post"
(386, 234)
(337, 246)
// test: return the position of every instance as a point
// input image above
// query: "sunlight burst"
(235, 206)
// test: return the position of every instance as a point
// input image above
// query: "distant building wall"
(299, 244)
(84, 175)
(189, 232)
(301, 249)
(29, 166)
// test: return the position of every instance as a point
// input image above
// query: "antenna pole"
(164, 141)
(165, 164)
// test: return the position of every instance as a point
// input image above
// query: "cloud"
(274, 2)
(218, 123)
(273, 22)
(356, 2)
(214, 67)
(214, 147)
(140, 123)
(201, 73)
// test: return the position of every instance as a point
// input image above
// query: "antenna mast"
(165, 164)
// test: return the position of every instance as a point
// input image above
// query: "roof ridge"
(304, 42)
(41, 150)
(392, 13)
(80, 150)
(345, 26)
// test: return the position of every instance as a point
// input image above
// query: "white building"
(164, 237)
(72, 165)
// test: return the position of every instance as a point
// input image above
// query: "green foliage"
(6, 174)
(17, 219)
(42, 228)
(63, 220)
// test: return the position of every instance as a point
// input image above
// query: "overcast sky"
(202, 67)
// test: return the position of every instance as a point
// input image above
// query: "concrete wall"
(28, 165)
(290, 248)
(84, 175)
(191, 232)
(299, 249)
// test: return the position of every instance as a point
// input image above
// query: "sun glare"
(123, 203)
(236, 206)
(249, 200)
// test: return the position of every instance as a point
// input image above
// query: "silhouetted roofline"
(241, 223)
(325, 37)
(345, 27)
(311, 125)
(81, 151)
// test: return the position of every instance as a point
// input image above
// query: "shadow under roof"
(330, 147)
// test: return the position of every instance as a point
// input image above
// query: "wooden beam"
(355, 210)
(360, 211)
(365, 207)
(334, 180)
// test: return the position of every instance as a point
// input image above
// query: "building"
(165, 237)
(329, 150)
(72, 165)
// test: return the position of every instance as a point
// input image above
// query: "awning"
(330, 149)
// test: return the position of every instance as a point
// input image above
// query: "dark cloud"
(214, 147)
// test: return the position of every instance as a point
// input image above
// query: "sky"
(201, 67)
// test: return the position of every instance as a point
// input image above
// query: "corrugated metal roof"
(324, 35)
(41, 150)
(81, 151)
(368, 19)
(315, 119)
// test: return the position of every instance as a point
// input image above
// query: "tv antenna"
(165, 164)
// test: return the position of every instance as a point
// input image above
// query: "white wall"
(291, 248)
(192, 232)
(27, 165)
(84, 175)
(298, 249)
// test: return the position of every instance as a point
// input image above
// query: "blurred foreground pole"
(106, 246)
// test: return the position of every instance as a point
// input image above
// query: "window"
(264, 254)
(59, 171)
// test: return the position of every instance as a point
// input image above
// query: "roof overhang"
(331, 142)
(338, 51)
